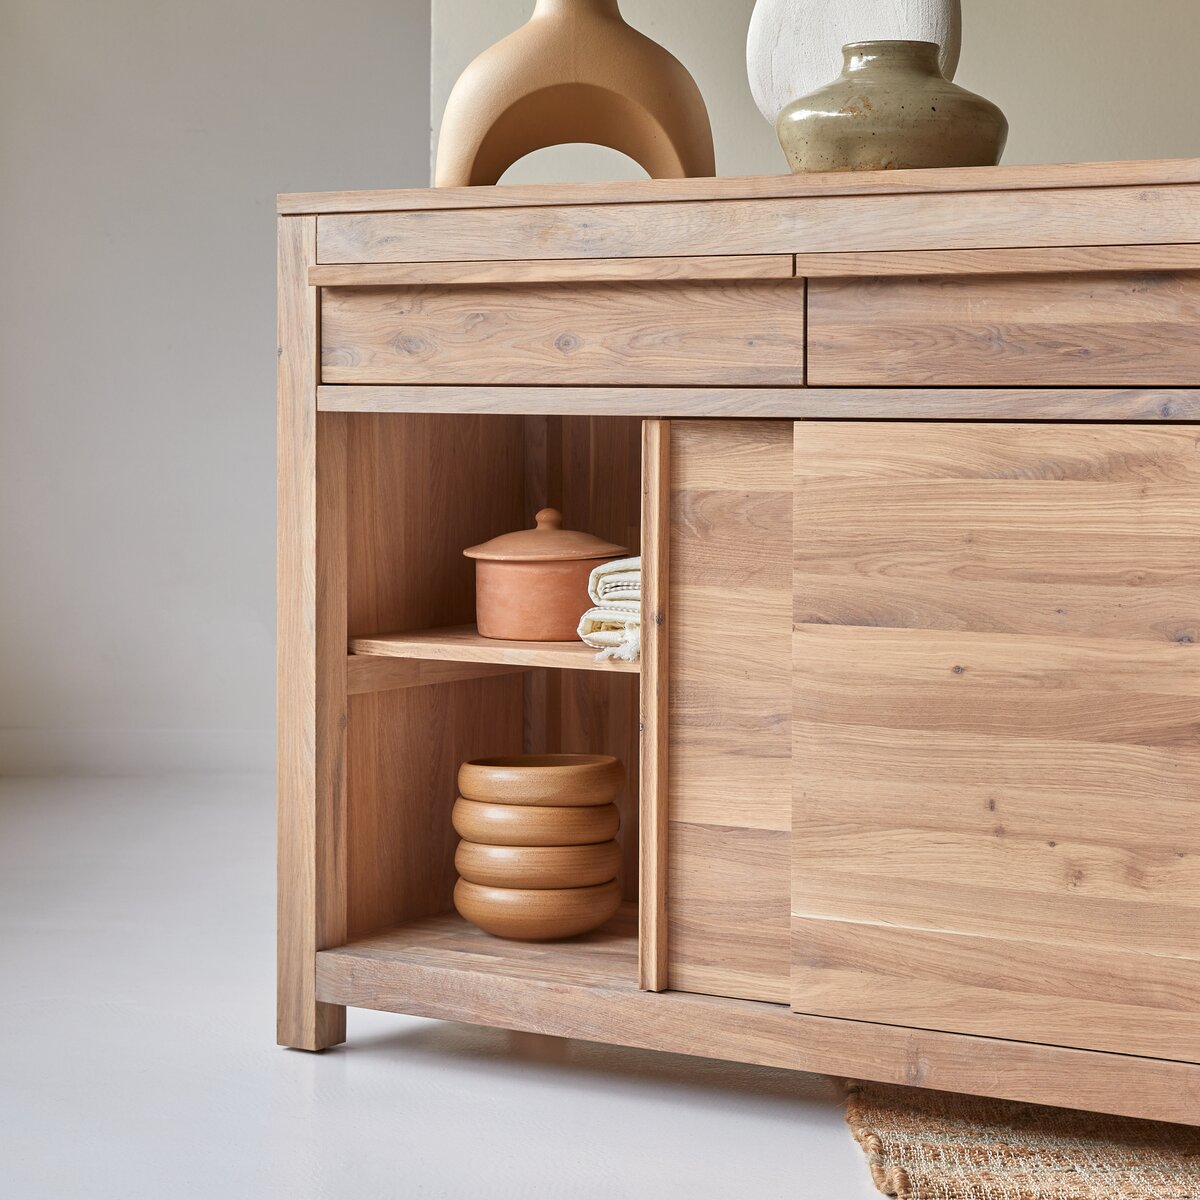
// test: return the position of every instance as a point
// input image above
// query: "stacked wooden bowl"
(537, 858)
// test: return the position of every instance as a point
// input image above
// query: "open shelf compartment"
(427, 692)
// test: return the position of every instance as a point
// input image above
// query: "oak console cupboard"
(913, 463)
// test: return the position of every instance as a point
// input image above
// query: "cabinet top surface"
(959, 179)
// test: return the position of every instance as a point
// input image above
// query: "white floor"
(137, 1056)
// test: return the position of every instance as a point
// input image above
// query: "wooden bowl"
(524, 825)
(538, 866)
(536, 914)
(558, 780)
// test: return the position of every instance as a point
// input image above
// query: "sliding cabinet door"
(996, 823)
(729, 724)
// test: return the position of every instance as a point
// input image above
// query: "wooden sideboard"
(913, 463)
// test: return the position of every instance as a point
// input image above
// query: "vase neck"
(914, 56)
(577, 8)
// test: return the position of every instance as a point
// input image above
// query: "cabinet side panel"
(423, 487)
(403, 754)
(997, 708)
(729, 740)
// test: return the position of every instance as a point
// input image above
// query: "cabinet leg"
(313, 715)
(311, 1026)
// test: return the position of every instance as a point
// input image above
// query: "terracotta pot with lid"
(532, 585)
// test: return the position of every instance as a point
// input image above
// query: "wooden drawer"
(1117, 329)
(697, 332)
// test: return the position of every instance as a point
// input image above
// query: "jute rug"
(924, 1145)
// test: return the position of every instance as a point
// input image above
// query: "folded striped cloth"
(614, 625)
(620, 579)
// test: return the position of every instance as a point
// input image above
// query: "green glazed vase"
(891, 108)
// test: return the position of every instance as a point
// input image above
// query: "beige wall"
(141, 146)
(1079, 79)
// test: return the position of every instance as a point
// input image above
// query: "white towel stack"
(614, 626)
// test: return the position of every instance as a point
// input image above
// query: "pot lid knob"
(548, 542)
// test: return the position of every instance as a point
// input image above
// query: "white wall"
(141, 146)
(1079, 79)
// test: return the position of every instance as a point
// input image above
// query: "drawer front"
(1114, 329)
(714, 333)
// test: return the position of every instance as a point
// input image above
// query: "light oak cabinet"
(913, 464)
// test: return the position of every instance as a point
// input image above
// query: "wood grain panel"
(590, 469)
(793, 404)
(598, 714)
(729, 738)
(994, 454)
(1135, 1003)
(1016, 261)
(421, 488)
(1000, 785)
(610, 333)
(728, 910)
(311, 590)
(444, 969)
(563, 270)
(1054, 216)
(975, 540)
(987, 179)
(403, 753)
(653, 962)
(1017, 330)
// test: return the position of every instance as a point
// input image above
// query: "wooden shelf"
(463, 644)
(606, 958)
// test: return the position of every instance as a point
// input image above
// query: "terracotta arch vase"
(575, 72)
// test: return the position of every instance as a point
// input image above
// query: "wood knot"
(409, 344)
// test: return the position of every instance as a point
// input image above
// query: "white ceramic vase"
(795, 46)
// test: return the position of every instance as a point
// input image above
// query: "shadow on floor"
(444, 1042)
